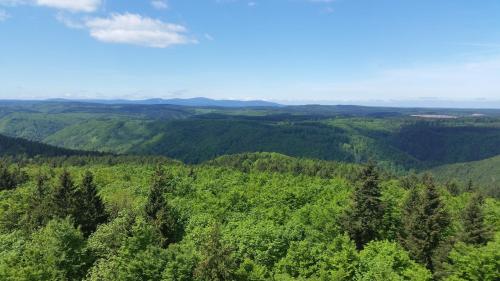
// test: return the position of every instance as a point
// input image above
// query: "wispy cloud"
(160, 4)
(68, 5)
(4, 15)
(209, 37)
(71, 5)
(137, 30)
(69, 21)
(475, 78)
(14, 2)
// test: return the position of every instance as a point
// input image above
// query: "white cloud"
(4, 15)
(137, 30)
(69, 21)
(68, 5)
(160, 4)
(71, 5)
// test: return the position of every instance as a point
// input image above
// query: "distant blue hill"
(183, 102)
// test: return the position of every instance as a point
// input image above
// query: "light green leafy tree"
(469, 263)
(386, 261)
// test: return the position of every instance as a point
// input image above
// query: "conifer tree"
(89, 211)
(475, 231)
(63, 198)
(425, 222)
(412, 235)
(159, 212)
(39, 210)
(7, 181)
(365, 216)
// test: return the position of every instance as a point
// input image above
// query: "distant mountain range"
(183, 102)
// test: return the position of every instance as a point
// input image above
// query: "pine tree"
(89, 211)
(475, 231)
(425, 222)
(366, 215)
(63, 199)
(216, 263)
(39, 211)
(160, 213)
(7, 181)
(412, 235)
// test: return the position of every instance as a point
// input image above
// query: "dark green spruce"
(63, 196)
(39, 207)
(475, 230)
(425, 223)
(159, 212)
(365, 217)
(90, 211)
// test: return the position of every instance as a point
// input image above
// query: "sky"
(292, 51)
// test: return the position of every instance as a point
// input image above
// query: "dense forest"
(393, 137)
(243, 217)
(21, 148)
(195, 134)
(252, 193)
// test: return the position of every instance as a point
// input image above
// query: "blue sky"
(284, 50)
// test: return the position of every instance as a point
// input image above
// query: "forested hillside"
(393, 137)
(484, 175)
(19, 148)
(243, 217)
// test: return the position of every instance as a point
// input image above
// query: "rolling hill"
(391, 136)
(17, 147)
(484, 175)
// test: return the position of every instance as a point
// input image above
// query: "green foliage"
(56, 252)
(64, 199)
(475, 230)
(216, 263)
(159, 213)
(271, 217)
(279, 163)
(140, 257)
(336, 260)
(365, 217)
(39, 210)
(484, 172)
(386, 261)
(108, 238)
(182, 262)
(390, 136)
(10, 179)
(425, 223)
(19, 148)
(89, 209)
(468, 263)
